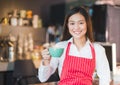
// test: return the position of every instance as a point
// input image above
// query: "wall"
(40, 7)
(113, 28)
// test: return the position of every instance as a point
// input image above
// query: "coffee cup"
(56, 51)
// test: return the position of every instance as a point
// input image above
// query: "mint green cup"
(56, 51)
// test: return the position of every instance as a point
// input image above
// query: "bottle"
(30, 42)
(4, 50)
(10, 50)
(11, 54)
(14, 20)
(19, 48)
(1, 48)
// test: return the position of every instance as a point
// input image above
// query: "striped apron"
(77, 70)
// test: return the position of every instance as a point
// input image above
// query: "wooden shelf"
(37, 33)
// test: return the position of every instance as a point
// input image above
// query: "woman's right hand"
(45, 57)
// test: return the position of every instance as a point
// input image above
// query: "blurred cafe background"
(28, 26)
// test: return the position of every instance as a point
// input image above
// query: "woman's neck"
(79, 42)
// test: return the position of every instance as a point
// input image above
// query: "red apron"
(77, 70)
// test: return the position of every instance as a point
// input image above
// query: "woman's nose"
(76, 26)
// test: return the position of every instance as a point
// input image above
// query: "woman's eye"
(72, 23)
(81, 23)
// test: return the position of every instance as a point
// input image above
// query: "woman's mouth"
(77, 32)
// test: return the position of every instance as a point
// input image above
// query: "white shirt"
(102, 65)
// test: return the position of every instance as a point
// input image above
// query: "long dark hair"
(82, 11)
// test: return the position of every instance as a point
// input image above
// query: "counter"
(9, 66)
(6, 72)
(56, 83)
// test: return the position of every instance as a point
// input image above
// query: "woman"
(81, 56)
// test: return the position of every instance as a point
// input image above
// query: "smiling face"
(77, 26)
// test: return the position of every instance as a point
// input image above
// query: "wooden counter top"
(48, 83)
(6, 66)
(56, 83)
(9, 66)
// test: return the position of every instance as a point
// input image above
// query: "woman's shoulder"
(98, 46)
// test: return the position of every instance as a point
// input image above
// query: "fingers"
(45, 54)
(47, 57)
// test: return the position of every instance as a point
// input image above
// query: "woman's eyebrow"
(74, 21)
